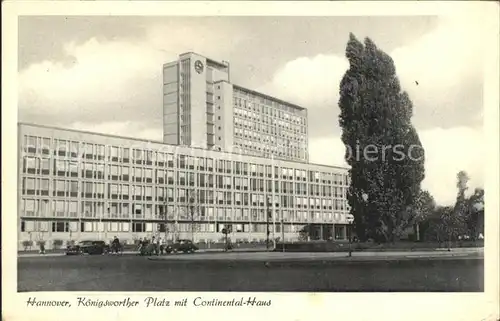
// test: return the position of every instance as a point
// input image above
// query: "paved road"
(252, 272)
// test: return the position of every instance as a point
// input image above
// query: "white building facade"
(202, 108)
(76, 185)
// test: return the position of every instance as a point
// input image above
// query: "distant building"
(202, 108)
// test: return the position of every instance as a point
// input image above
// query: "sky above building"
(103, 74)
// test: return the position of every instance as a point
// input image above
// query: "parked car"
(185, 246)
(88, 247)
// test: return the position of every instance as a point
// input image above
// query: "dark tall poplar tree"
(382, 147)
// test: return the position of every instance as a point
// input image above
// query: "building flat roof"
(269, 97)
(226, 64)
(162, 143)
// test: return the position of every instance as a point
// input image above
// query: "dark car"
(185, 246)
(88, 247)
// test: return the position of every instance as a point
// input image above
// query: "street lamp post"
(282, 231)
(101, 211)
(449, 238)
(191, 210)
(165, 213)
(44, 214)
(176, 223)
(268, 214)
(350, 220)
(104, 227)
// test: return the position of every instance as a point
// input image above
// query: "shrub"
(412, 237)
(70, 243)
(27, 244)
(303, 236)
(57, 244)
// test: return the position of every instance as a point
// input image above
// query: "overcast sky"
(104, 74)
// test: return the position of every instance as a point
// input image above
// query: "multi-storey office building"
(202, 108)
(80, 185)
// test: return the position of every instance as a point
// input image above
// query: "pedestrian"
(154, 243)
(139, 243)
(142, 245)
(163, 245)
(42, 247)
(158, 248)
(116, 245)
(145, 246)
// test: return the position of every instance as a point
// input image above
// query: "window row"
(138, 227)
(264, 150)
(149, 193)
(183, 161)
(35, 165)
(263, 128)
(291, 120)
(113, 210)
(46, 208)
(269, 125)
(61, 147)
(276, 141)
(267, 106)
(59, 187)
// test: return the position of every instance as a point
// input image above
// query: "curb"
(358, 254)
(320, 260)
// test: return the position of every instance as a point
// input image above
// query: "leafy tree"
(434, 227)
(193, 208)
(226, 231)
(457, 223)
(27, 244)
(423, 207)
(304, 232)
(57, 243)
(475, 217)
(375, 117)
(466, 217)
(462, 180)
(421, 211)
(451, 222)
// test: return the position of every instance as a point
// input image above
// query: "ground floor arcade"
(66, 231)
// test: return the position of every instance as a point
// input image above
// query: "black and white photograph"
(318, 162)
(251, 153)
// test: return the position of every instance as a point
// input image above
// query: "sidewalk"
(328, 256)
(245, 250)
(253, 253)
